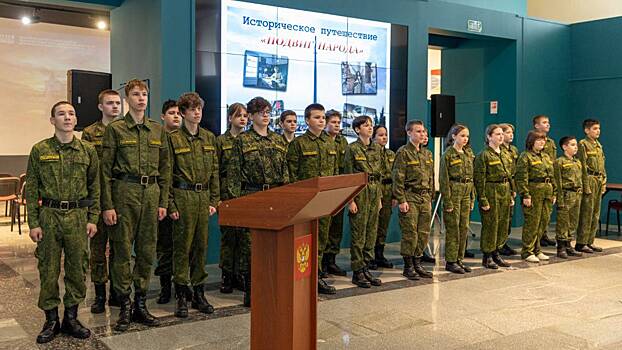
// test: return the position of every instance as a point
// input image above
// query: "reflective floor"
(569, 304)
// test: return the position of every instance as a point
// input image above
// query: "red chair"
(617, 206)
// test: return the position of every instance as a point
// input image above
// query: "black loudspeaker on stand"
(83, 88)
(443, 114)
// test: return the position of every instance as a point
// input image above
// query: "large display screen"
(294, 58)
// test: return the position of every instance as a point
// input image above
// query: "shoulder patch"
(155, 142)
(208, 148)
(592, 153)
(128, 142)
(280, 148)
(494, 162)
(227, 147)
(249, 149)
(413, 162)
(49, 157)
(182, 150)
(334, 153)
(309, 153)
(536, 162)
(454, 162)
(360, 158)
(567, 165)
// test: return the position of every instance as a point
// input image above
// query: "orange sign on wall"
(302, 254)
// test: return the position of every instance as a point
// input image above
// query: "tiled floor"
(575, 304)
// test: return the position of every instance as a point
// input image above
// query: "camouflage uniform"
(534, 179)
(594, 179)
(568, 180)
(258, 162)
(94, 134)
(194, 188)
(62, 172)
(493, 183)
(164, 248)
(384, 217)
(458, 193)
(310, 156)
(134, 152)
(512, 153)
(413, 182)
(232, 239)
(335, 231)
(360, 158)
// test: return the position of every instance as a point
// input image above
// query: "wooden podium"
(284, 228)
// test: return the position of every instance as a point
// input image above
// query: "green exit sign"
(474, 26)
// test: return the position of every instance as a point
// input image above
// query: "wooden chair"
(9, 191)
(6, 206)
(19, 202)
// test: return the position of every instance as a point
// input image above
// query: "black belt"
(422, 191)
(66, 205)
(373, 178)
(139, 179)
(595, 173)
(543, 180)
(502, 181)
(188, 186)
(387, 181)
(574, 189)
(259, 187)
(461, 180)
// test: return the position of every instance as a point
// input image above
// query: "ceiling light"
(102, 25)
(26, 20)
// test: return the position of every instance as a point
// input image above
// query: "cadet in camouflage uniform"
(413, 187)
(135, 185)
(381, 137)
(258, 163)
(568, 180)
(110, 106)
(364, 156)
(509, 150)
(288, 121)
(458, 193)
(493, 183)
(314, 154)
(541, 123)
(592, 160)
(232, 239)
(63, 173)
(164, 247)
(329, 265)
(195, 194)
(534, 181)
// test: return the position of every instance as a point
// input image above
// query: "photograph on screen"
(265, 71)
(351, 111)
(359, 78)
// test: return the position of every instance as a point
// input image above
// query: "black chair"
(617, 206)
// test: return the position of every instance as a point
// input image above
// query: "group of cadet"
(145, 190)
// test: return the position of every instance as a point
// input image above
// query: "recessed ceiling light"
(26, 20)
(102, 25)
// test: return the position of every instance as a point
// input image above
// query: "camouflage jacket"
(455, 167)
(533, 167)
(309, 156)
(341, 143)
(592, 158)
(490, 166)
(224, 151)
(94, 134)
(568, 176)
(412, 171)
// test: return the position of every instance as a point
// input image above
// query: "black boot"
(325, 288)
(123, 323)
(322, 273)
(372, 280)
(561, 250)
(238, 282)
(332, 267)
(595, 248)
(165, 290)
(545, 241)
(499, 260)
(99, 305)
(359, 279)
(409, 271)
(488, 263)
(467, 252)
(247, 290)
(583, 248)
(71, 326)
(51, 327)
(113, 300)
(380, 259)
(181, 301)
(427, 258)
(199, 302)
(420, 270)
(464, 267)
(570, 250)
(454, 267)
(507, 251)
(372, 265)
(140, 313)
(226, 284)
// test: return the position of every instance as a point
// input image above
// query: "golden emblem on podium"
(302, 253)
(302, 257)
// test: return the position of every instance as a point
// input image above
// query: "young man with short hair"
(164, 246)
(63, 175)
(135, 175)
(110, 107)
(195, 194)
(569, 182)
(542, 123)
(413, 187)
(592, 159)
(314, 154)
(333, 245)
(364, 156)
(288, 122)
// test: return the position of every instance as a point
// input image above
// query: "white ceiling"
(573, 11)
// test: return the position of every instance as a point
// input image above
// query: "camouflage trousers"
(64, 232)
(495, 221)
(457, 221)
(384, 217)
(335, 233)
(590, 211)
(568, 216)
(537, 217)
(322, 237)
(363, 226)
(100, 264)
(415, 226)
(164, 248)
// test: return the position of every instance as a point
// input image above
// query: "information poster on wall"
(294, 58)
